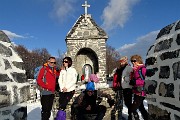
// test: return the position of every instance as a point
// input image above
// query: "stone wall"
(34, 92)
(14, 88)
(164, 59)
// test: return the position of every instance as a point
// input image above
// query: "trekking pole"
(120, 105)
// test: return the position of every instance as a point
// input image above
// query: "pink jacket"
(93, 78)
(139, 82)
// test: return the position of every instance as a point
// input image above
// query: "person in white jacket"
(67, 83)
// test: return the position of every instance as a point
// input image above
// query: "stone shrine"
(14, 87)
(86, 45)
(164, 58)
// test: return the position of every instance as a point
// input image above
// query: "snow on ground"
(34, 111)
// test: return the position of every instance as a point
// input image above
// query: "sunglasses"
(65, 61)
(133, 60)
(90, 91)
(53, 62)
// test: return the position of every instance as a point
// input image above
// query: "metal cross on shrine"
(85, 7)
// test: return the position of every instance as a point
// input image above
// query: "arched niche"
(86, 56)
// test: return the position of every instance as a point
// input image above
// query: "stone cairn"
(14, 88)
(164, 58)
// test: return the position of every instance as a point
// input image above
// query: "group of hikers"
(128, 79)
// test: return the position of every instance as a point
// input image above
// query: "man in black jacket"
(86, 104)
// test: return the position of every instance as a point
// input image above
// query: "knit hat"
(90, 86)
(124, 59)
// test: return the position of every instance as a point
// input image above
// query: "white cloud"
(62, 9)
(117, 13)
(12, 35)
(141, 45)
(126, 46)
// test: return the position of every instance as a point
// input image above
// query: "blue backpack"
(36, 73)
(61, 115)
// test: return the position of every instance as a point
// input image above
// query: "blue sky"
(132, 25)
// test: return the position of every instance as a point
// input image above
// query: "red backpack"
(116, 83)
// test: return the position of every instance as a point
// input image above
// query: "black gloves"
(111, 102)
(132, 82)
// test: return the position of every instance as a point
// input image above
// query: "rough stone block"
(4, 37)
(177, 26)
(166, 90)
(18, 65)
(3, 88)
(176, 69)
(4, 78)
(151, 72)
(151, 99)
(163, 45)
(150, 86)
(150, 61)
(5, 50)
(165, 30)
(157, 113)
(178, 39)
(170, 55)
(174, 107)
(7, 64)
(4, 99)
(164, 72)
(20, 113)
(170, 90)
(19, 77)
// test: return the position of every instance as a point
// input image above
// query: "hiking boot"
(130, 117)
(136, 116)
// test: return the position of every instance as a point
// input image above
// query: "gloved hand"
(111, 102)
(132, 82)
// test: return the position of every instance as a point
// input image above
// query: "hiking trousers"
(138, 104)
(46, 102)
(127, 95)
(64, 98)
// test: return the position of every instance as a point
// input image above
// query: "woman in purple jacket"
(138, 75)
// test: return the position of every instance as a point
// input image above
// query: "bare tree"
(26, 56)
(32, 59)
(40, 56)
(59, 58)
(112, 57)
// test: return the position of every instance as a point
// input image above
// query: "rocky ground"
(110, 114)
